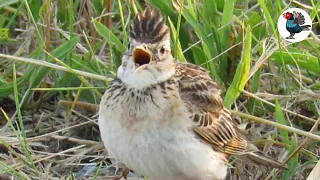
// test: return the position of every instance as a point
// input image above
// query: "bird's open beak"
(141, 56)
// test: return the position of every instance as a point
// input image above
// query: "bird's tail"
(305, 27)
(259, 158)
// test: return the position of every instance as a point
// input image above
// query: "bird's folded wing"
(298, 18)
(212, 122)
(219, 130)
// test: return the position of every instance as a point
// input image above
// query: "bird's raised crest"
(149, 27)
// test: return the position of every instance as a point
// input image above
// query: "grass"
(61, 55)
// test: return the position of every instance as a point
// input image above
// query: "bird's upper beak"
(141, 56)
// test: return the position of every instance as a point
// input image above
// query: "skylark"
(165, 119)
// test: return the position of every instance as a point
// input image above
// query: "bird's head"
(148, 59)
(288, 16)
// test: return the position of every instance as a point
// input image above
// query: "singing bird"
(295, 23)
(165, 119)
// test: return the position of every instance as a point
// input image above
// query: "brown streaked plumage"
(214, 123)
(166, 119)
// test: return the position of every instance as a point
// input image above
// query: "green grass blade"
(165, 6)
(7, 168)
(108, 35)
(6, 89)
(280, 119)
(123, 23)
(254, 86)
(4, 3)
(198, 55)
(59, 52)
(293, 162)
(177, 50)
(210, 65)
(241, 76)
(84, 81)
(267, 14)
(226, 20)
(35, 7)
(22, 134)
(224, 39)
(34, 22)
(303, 60)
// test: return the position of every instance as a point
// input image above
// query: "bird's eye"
(162, 50)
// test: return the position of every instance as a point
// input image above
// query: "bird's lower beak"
(141, 56)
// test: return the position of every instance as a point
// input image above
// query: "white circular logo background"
(298, 36)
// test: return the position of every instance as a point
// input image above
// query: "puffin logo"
(294, 25)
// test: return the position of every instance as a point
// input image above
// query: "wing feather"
(298, 18)
(212, 122)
